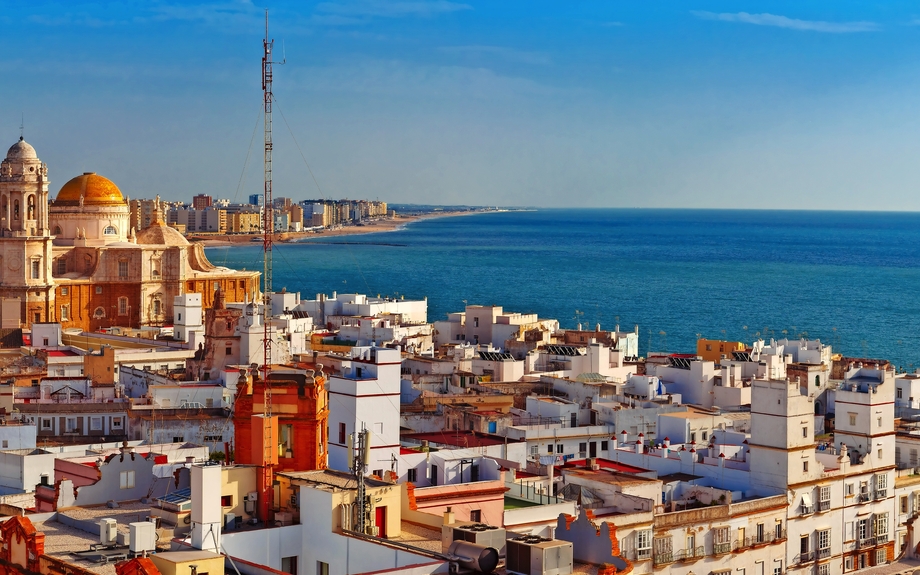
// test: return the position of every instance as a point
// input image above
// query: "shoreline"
(375, 227)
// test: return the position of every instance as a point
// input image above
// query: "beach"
(372, 227)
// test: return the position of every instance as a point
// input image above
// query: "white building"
(364, 394)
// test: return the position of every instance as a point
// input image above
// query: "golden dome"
(93, 189)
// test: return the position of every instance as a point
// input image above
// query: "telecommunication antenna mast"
(359, 450)
(268, 220)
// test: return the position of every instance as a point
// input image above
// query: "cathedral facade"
(76, 261)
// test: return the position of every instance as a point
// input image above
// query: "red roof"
(62, 353)
(607, 464)
(460, 438)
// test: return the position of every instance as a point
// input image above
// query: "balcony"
(721, 548)
(864, 497)
(824, 505)
(691, 554)
(764, 539)
(805, 557)
(881, 539)
(824, 553)
(807, 509)
(881, 493)
(866, 542)
(643, 554)
(664, 558)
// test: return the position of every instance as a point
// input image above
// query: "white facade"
(365, 395)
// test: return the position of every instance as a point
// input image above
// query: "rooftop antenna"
(22, 126)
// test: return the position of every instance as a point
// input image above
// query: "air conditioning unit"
(108, 531)
(143, 537)
(478, 533)
(374, 531)
(229, 521)
(532, 555)
(252, 496)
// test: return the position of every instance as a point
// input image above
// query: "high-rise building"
(201, 201)
(256, 199)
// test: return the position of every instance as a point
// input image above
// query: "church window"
(65, 313)
(98, 290)
(61, 266)
(15, 209)
(99, 312)
(156, 307)
(123, 268)
(31, 207)
(110, 231)
(122, 306)
(57, 230)
(36, 268)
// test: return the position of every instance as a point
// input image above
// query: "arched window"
(31, 207)
(15, 209)
(99, 312)
(57, 231)
(110, 231)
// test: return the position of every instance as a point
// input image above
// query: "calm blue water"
(850, 279)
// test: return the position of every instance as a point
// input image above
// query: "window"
(127, 480)
(156, 307)
(824, 498)
(604, 446)
(879, 422)
(559, 448)
(99, 312)
(61, 266)
(178, 439)
(913, 458)
(64, 291)
(803, 544)
(229, 350)
(778, 568)
(549, 448)
(849, 489)
(98, 290)
(824, 543)
(804, 432)
(881, 556)
(122, 306)
(6, 443)
(123, 268)
(904, 506)
(342, 433)
(95, 424)
(213, 438)
(881, 525)
(226, 501)
(881, 486)
(412, 475)
(862, 529)
(852, 418)
(71, 424)
(289, 565)
(535, 450)
(705, 435)
(898, 393)
(116, 423)
(693, 436)
(65, 313)
(721, 540)
(322, 568)
(46, 424)
(805, 466)
(110, 231)
(434, 475)
(759, 533)
(848, 563)
(476, 515)
(582, 449)
(643, 544)
(36, 269)
(475, 322)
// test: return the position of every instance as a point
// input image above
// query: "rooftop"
(458, 438)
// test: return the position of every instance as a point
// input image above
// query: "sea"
(850, 279)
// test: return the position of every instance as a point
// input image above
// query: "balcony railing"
(721, 548)
(864, 497)
(881, 493)
(805, 557)
(866, 542)
(881, 539)
(690, 554)
(824, 505)
(664, 558)
(824, 553)
(807, 509)
(643, 554)
(765, 539)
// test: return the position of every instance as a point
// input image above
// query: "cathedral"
(74, 260)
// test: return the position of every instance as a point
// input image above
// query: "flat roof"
(457, 438)
(606, 464)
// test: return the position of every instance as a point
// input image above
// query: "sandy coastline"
(375, 227)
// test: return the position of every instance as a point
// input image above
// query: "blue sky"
(566, 104)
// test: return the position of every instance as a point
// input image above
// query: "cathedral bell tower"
(26, 284)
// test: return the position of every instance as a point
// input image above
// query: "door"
(492, 426)
(592, 449)
(380, 520)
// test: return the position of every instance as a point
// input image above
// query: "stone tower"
(26, 283)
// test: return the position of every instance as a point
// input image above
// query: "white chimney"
(207, 513)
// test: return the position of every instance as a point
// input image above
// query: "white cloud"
(789, 23)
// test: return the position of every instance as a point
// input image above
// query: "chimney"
(448, 517)
(207, 514)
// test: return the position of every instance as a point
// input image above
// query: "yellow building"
(181, 562)
(244, 223)
(714, 349)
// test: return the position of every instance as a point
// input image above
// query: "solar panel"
(177, 497)
(495, 356)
